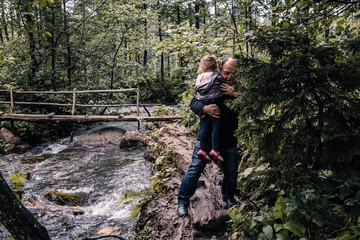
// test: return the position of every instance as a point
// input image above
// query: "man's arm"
(200, 109)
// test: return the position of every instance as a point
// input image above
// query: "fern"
(129, 196)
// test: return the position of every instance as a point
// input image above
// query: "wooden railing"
(73, 117)
(73, 105)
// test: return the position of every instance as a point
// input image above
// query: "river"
(102, 174)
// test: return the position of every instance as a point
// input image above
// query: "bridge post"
(74, 102)
(11, 101)
(12, 127)
(72, 113)
(137, 105)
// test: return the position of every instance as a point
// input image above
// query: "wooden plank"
(74, 102)
(11, 101)
(39, 103)
(81, 105)
(70, 92)
(85, 118)
(109, 91)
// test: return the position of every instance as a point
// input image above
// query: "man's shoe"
(230, 202)
(182, 210)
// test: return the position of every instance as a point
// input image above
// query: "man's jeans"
(189, 183)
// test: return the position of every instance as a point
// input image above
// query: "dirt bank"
(208, 215)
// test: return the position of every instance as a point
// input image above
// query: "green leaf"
(339, 29)
(303, 3)
(278, 227)
(274, 8)
(233, 212)
(281, 236)
(43, 3)
(268, 231)
(279, 208)
(17, 178)
(341, 22)
(295, 227)
(275, 19)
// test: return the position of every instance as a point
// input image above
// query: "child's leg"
(215, 139)
(215, 133)
(205, 124)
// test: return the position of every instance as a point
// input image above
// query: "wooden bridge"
(78, 118)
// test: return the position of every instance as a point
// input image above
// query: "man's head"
(228, 67)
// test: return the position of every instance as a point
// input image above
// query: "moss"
(72, 199)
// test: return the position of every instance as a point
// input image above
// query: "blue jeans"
(229, 166)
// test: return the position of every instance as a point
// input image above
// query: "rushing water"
(103, 175)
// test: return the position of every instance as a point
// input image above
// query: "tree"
(17, 219)
(298, 118)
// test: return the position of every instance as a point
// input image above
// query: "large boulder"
(133, 139)
(103, 137)
(9, 137)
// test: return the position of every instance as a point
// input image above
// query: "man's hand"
(212, 110)
(228, 90)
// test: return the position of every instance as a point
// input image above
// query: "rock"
(22, 147)
(67, 210)
(103, 137)
(133, 139)
(109, 231)
(8, 147)
(9, 137)
(208, 215)
(72, 199)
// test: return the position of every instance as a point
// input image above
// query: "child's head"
(208, 63)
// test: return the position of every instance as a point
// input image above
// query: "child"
(207, 91)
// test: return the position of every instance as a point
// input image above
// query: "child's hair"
(209, 62)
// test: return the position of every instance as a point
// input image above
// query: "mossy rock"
(72, 199)
(133, 140)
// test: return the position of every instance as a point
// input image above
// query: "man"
(228, 145)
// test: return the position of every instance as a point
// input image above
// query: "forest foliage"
(299, 123)
(299, 113)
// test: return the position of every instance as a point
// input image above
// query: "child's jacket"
(208, 86)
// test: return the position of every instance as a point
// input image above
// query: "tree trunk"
(53, 47)
(68, 48)
(197, 17)
(162, 80)
(114, 62)
(1, 36)
(17, 219)
(3, 19)
(178, 16)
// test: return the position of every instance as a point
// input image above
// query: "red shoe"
(203, 156)
(216, 155)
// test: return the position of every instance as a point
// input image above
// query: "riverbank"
(208, 215)
(169, 148)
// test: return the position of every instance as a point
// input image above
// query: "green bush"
(299, 119)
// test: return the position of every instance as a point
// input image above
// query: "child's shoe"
(216, 155)
(203, 156)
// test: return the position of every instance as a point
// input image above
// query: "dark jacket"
(229, 122)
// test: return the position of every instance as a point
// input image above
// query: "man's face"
(228, 69)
